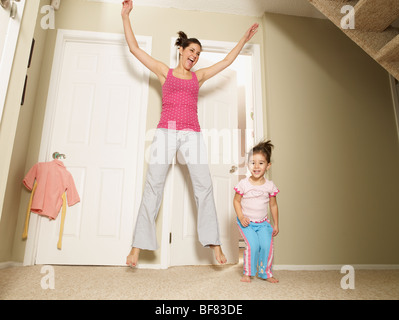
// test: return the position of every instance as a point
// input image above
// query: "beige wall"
(327, 109)
(330, 116)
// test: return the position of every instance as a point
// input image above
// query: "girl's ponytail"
(265, 147)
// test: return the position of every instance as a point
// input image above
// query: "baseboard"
(149, 266)
(311, 267)
(281, 267)
(10, 264)
(335, 267)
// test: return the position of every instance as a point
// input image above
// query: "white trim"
(219, 47)
(258, 100)
(63, 36)
(8, 53)
(149, 266)
(327, 267)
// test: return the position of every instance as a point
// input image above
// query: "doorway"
(227, 143)
(8, 42)
(95, 115)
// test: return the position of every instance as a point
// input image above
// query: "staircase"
(373, 30)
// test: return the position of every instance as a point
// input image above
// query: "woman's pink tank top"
(179, 103)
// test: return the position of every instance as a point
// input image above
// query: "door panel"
(96, 123)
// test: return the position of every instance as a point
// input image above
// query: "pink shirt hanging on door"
(53, 180)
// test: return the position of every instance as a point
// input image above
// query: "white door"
(101, 94)
(217, 112)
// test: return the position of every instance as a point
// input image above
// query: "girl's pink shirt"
(255, 199)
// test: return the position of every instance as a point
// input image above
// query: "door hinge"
(170, 237)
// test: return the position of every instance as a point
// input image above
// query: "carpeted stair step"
(381, 46)
(375, 15)
(390, 52)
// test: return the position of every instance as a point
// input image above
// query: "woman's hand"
(206, 73)
(251, 32)
(127, 7)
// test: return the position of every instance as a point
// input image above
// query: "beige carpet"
(185, 283)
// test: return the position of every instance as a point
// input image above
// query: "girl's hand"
(251, 32)
(127, 6)
(244, 221)
(275, 231)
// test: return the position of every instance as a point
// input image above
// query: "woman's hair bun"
(181, 39)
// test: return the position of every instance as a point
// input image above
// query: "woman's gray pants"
(163, 149)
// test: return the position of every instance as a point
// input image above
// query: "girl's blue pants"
(258, 255)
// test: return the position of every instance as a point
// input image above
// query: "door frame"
(218, 47)
(64, 36)
(8, 53)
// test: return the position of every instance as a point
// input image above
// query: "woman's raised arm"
(159, 68)
(207, 73)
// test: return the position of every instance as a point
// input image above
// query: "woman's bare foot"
(219, 255)
(133, 257)
(245, 278)
(272, 280)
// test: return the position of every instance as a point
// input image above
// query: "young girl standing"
(253, 196)
(178, 129)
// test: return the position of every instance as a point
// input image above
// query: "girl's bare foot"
(133, 257)
(219, 255)
(272, 280)
(245, 278)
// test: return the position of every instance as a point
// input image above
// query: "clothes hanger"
(57, 155)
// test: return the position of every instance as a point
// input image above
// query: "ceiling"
(242, 7)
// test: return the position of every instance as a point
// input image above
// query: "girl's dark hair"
(264, 147)
(183, 41)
